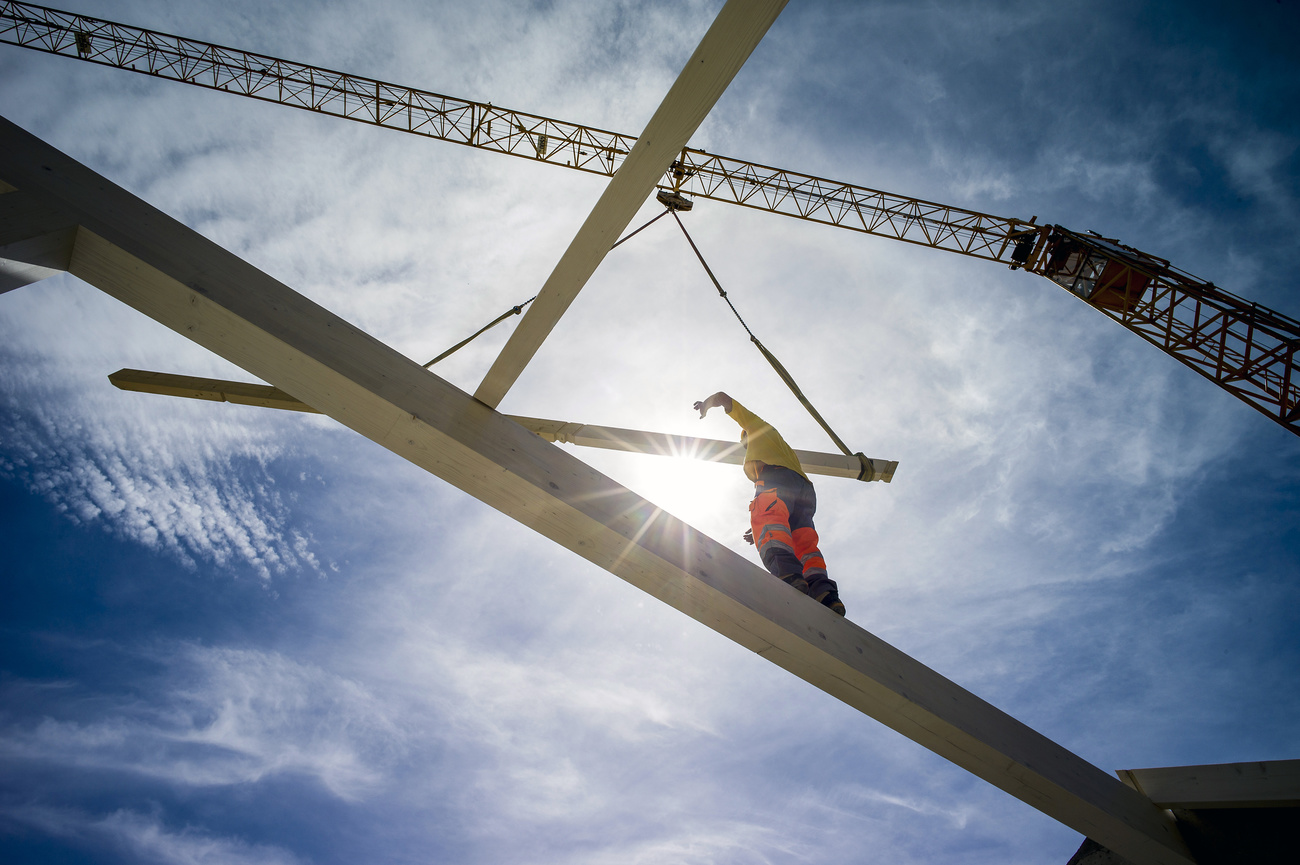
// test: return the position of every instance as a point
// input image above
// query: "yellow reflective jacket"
(763, 444)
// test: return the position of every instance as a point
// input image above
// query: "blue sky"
(233, 635)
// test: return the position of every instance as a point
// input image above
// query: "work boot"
(797, 581)
(832, 599)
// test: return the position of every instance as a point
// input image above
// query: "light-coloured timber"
(1271, 784)
(33, 245)
(585, 435)
(179, 278)
(214, 389)
(712, 450)
(723, 50)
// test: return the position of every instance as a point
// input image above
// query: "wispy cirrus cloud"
(221, 717)
(194, 484)
(143, 838)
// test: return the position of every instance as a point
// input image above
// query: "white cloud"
(1257, 162)
(182, 479)
(694, 844)
(228, 716)
(277, 715)
(142, 838)
(866, 796)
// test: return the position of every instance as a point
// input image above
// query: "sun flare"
(711, 497)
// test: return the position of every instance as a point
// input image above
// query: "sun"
(711, 497)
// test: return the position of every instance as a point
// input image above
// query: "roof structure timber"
(36, 243)
(155, 264)
(723, 50)
(585, 435)
(1263, 784)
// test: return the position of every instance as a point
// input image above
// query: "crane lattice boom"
(1245, 348)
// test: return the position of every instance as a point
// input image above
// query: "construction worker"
(781, 514)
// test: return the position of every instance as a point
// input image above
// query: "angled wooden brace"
(153, 263)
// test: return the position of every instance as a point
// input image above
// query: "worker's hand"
(748, 536)
(718, 399)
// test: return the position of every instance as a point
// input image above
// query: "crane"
(1245, 348)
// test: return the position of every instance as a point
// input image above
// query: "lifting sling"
(771, 358)
(863, 461)
(516, 310)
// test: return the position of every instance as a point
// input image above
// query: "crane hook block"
(674, 200)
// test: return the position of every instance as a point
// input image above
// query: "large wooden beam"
(184, 281)
(33, 244)
(711, 450)
(1271, 784)
(584, 435)
(723, 50)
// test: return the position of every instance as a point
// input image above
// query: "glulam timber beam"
(711, 450)
(33, 244)
(583, 435)
(211, 389)
(1261, 784)
(156, 265)
(723, 50)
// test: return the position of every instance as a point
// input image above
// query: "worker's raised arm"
(719, 399)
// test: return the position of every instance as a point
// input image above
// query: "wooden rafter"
(158, 266)
(723, 50)
(565, 432)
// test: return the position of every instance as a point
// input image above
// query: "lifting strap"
(514, 310)
(771, 358)
(641, 229)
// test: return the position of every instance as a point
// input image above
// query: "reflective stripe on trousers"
(781, 516)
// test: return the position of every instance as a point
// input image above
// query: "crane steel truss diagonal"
(61, 213)
(1246, 349)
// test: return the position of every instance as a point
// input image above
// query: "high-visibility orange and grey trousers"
(781, 516)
